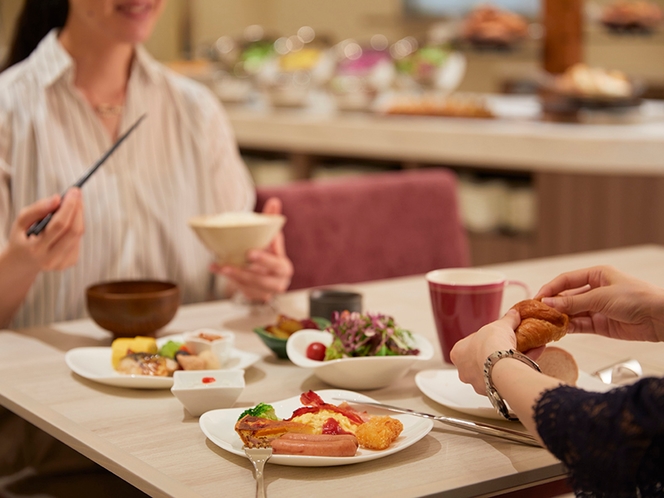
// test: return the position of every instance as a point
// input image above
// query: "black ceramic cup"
(323, 302)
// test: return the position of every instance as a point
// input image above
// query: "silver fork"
(258, 457)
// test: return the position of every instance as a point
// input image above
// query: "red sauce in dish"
(208, 380)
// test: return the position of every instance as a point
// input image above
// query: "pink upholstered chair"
(371, 227)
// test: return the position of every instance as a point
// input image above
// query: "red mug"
(465, 299)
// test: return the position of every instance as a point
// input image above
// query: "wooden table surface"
(148, 439)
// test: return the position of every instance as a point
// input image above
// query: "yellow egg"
(317, 420)
(138, 344)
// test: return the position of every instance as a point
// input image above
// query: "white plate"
(444, 387)
(95, 364)
(219, 427)
(365, 372)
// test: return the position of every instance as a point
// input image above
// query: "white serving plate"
(445, 388)
(219, 427)
(94, 363)
(367, 372)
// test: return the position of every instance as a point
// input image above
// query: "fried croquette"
(378, 433)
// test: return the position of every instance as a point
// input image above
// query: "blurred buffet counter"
(593, 184)
(518, 139)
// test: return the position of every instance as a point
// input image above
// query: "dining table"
(147, 438)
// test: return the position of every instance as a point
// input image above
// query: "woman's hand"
(268, 271)
(601, 300)
(57, 247)
(470, 353)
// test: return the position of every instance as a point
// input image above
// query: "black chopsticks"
(38, 226)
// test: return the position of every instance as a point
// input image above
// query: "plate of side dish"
(445, 388)
(219, 427)
(94, 363)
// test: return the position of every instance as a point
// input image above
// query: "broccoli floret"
(261, 410)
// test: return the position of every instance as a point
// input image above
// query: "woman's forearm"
(521, 387)
(16, 278)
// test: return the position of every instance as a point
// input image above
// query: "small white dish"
(94, 363)
(202, 390)
(445, 388)
(219, 342)
(366, 372)
(219, 427)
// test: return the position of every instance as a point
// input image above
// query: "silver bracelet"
(496, 399)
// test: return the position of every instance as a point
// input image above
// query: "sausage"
(340, 445)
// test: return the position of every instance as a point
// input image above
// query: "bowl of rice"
(231, 235)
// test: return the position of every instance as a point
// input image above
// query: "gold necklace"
(109, 110)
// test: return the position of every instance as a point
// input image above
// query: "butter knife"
(478, 427)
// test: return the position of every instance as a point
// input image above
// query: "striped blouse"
(180, 162)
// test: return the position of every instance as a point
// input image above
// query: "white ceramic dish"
(200, 391)
(369, 372)
(231, 235)
(444, 387)
(221, 348)
(219, 427)
(94, 364)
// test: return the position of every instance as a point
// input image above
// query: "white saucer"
(444, 387)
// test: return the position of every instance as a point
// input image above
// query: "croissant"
(540, 324)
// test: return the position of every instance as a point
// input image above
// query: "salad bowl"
(357, 373)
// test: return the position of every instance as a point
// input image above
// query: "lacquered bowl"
(128, 308)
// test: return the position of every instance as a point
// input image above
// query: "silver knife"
(478, 427)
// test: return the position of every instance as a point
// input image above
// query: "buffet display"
(487, 26)
(632, 16)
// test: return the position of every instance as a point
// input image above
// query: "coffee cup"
(465, 299)
(324, 302)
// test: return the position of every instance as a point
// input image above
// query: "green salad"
(357, 334)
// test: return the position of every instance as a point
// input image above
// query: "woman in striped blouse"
(78, 77)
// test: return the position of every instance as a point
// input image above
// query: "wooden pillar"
(563, 37)
(302, 165)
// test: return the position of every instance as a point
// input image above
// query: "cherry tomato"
(316, 351)
(208, 380)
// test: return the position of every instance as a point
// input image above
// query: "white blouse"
(180, 162)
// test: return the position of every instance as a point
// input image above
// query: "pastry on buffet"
(452, 106)
(489, 25)
(638, 15)
(540, 324)
(316, 428)
(584, 81)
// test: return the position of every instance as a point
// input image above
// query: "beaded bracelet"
(493, 395)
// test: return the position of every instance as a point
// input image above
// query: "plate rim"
(474, 411)
(479, 411)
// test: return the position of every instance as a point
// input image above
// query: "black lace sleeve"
(613, 442)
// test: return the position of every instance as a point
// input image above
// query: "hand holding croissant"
(540, 324)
